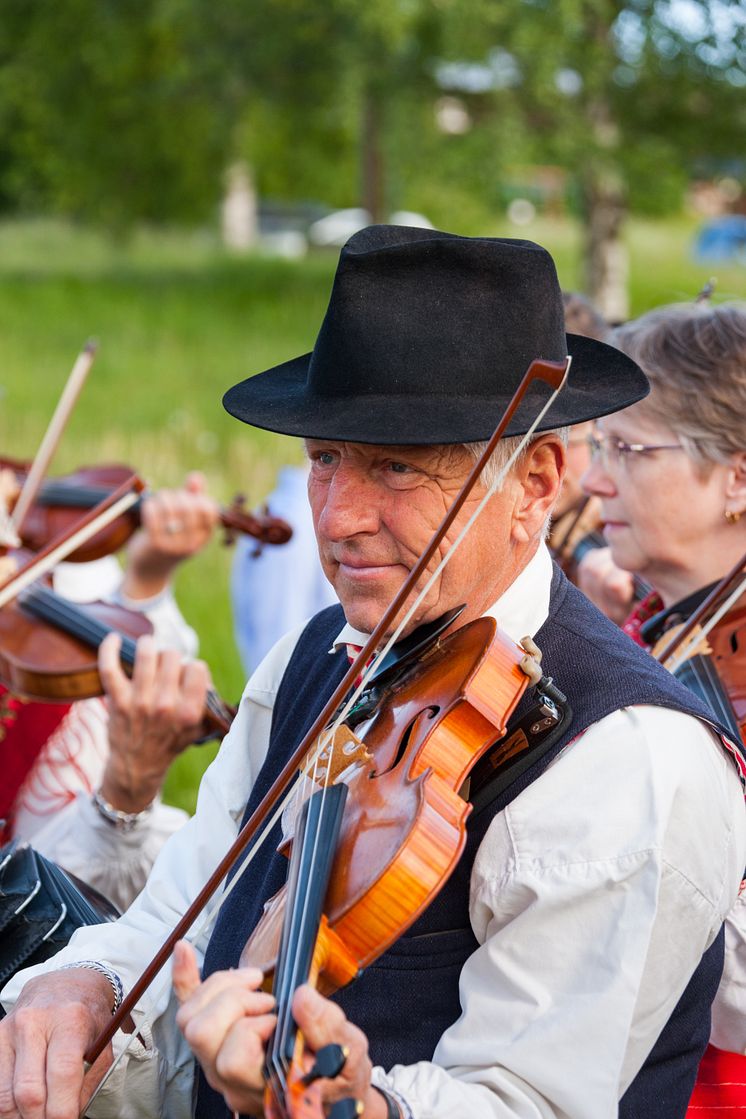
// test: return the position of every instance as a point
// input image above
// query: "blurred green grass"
(179, 320)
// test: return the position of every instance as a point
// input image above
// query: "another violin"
(48, 649)
(60, 501)
(708, 651)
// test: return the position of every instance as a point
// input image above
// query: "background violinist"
(82, 780)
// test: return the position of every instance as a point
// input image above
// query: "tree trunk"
(605, 254)
(372, 163)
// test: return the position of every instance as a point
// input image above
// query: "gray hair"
(694, 356)
(504, 450)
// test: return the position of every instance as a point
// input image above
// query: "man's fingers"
(29, 1075)
(243, 1047)
(246, 981)
(185, 975)
(166, 678)
(322, 1021)
(206, 1030)
(143, 674)
(64, 1074)
(115, 682)
(195, 680)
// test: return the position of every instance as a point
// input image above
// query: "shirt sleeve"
(594, 895)
(729, 1007)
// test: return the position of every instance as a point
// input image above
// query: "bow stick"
(53, 434)
(117, 502)
(553, 373)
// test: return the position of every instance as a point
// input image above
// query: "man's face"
(375, 509)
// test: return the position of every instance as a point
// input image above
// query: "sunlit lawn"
(178, 321)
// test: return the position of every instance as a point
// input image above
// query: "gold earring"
(732, 517)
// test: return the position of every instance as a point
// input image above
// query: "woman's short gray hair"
(694, 356)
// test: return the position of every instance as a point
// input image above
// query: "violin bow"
(117, 502)
(553, 373)
(53, 434)
(717, 604)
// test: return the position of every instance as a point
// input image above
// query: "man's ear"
(540, 473)
(735, 485)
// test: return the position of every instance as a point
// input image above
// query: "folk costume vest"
(600, 670)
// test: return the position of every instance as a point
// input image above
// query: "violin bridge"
(333, 754)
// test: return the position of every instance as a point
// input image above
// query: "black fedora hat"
(426, 337)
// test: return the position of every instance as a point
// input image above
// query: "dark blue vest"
(600, 670)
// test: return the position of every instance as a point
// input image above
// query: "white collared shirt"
(593, 897)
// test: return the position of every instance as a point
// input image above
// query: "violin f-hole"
(403, 744)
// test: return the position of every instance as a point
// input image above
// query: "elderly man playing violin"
(567, 965)
(82, 780)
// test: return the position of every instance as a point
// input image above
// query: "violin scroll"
(266, 529)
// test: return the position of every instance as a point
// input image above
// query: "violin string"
(71, 618)
(211, 914)
(710, 684)
(285, 1006)
(284, 993)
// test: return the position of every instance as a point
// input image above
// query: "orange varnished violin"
(60, 502)
(383, 825)
(402, 770)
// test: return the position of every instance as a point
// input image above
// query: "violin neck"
(73, 619)
(60, 493)
(314, 848)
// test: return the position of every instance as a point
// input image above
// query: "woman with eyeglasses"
(670, 473)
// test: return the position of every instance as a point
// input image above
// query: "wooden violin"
(48, 649)
(374, 868)
(60, 502)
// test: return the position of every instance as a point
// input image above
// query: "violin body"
(42, 662)
(61, 501)
(404, 823)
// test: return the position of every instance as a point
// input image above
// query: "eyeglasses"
(608, 450)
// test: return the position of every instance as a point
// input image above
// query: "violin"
(371, 850)
(48, 649)
(60, 501)
(399, 774)
(708, 651)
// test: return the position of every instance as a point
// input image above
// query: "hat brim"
(602, 380)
